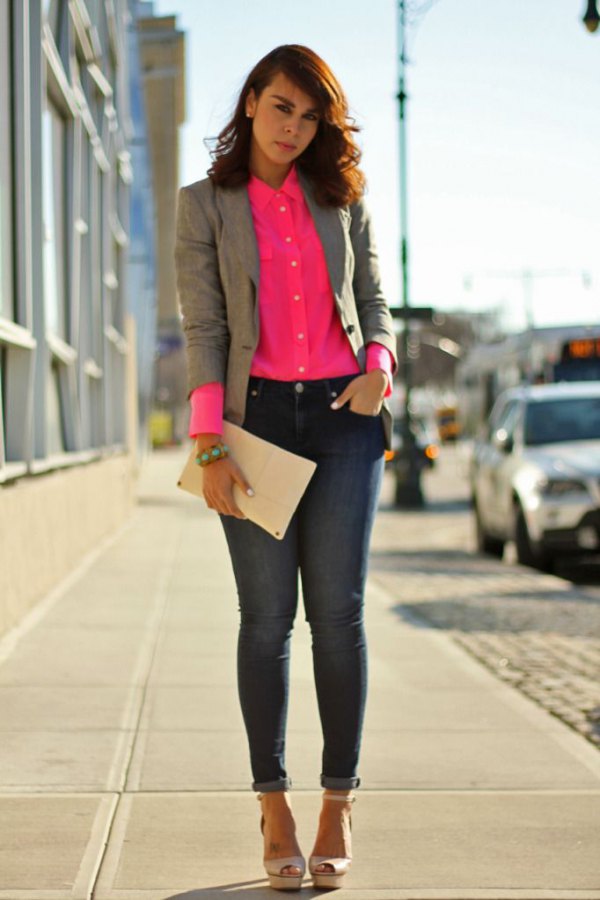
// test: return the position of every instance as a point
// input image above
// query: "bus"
(535, 356)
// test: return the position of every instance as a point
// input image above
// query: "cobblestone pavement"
(539, 632)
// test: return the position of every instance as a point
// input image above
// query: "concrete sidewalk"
(123, 764)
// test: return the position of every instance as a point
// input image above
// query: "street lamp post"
(408, 493)
(591, 17)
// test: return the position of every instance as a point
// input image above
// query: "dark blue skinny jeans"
(327, 542)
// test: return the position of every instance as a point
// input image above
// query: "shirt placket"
(294, 287)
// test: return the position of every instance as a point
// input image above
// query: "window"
(49, 11)
(505, 419)
(55, 220)
(55, 433)
(566, 419)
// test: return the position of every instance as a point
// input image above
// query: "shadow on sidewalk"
(464, 562)
(260, 891)
(442, 562)
(476, 616)
(458, 590)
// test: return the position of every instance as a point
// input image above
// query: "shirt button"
(300, 336)
(296, 296)
(301, 368)
(299, 387)
(294, 263)
(282, 209)
(288, 240)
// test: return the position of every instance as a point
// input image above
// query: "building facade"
(77, 242)
(162, 61)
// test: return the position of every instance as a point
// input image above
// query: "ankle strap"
(260, 796)
(340, 798)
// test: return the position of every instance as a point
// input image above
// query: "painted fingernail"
(334, 405)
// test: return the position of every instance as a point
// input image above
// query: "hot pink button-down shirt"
(301, 336)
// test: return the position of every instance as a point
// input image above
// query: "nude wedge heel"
(281, 882)
(274, 867)
(340, 865)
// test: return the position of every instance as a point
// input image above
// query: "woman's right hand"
(218, 479)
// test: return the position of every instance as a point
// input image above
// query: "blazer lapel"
(329, 227)
(237, 222)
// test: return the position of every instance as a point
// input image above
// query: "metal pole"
(403, 190)
(408, 477)
(591, 17)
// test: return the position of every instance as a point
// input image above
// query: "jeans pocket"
(362, 415)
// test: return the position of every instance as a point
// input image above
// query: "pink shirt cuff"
(207, 409)
(379, 357)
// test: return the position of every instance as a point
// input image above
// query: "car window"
(496, 416)
(505, 418)
(509, 421)
(564, 419)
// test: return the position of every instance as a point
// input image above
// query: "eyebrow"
(314, 109)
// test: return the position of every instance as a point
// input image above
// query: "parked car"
(535, 475)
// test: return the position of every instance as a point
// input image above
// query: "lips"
(287, 147)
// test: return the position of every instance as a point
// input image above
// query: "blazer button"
(350, 329)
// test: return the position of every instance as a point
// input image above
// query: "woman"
(288, 333)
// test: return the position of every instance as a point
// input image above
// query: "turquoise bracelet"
(212, 454)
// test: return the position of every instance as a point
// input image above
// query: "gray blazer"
(217, 262)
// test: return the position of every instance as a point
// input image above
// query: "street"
(540, 633)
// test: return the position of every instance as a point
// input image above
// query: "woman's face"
(284, 122)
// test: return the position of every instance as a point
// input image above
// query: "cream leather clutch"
(277, 477)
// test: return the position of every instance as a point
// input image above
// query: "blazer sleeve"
(373, 312)
(204, 317)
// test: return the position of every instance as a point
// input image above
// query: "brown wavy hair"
(331, 159)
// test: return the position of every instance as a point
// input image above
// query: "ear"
(251, 102)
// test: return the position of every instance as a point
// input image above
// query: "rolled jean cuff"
(269, 787)
(339, 784)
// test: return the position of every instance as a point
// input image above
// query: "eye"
(282, 107)
(312, 117)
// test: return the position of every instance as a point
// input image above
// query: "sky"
(503, 130)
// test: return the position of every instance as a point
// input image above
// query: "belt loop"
(329, 391)
(256, 386)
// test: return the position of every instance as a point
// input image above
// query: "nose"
(292, 127)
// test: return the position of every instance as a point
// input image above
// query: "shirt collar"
(261, 193)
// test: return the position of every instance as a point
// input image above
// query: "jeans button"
(299, 387)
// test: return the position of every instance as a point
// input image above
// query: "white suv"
(535, 477)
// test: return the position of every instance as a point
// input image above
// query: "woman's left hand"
(365, 393)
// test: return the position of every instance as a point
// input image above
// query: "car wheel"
(487, 544)
(529, 553)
